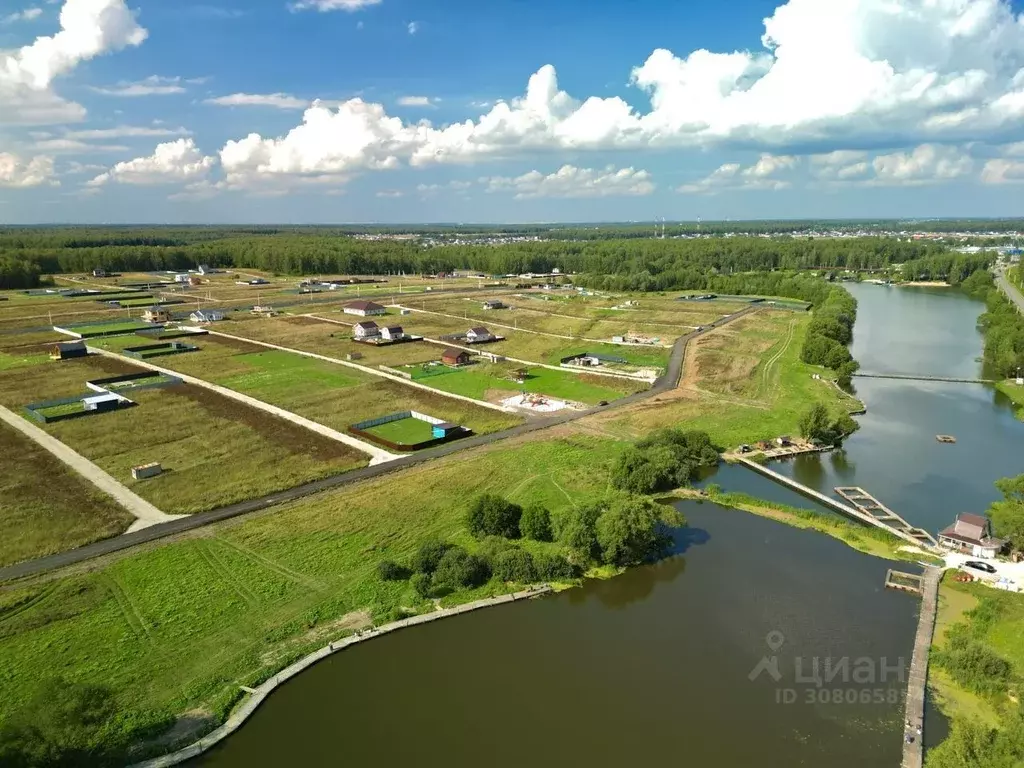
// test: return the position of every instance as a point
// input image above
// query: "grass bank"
(869, 540)
(177, 629)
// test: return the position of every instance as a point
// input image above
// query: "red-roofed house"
(971, 534)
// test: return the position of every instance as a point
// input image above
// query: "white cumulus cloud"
(835, 72)
(125, 132)
(925, 164)
(173, 161)
(762, 175)
(15, 172)
(413, 27)
(88, 28)
(570, 181)
(275, 100)
(1003, 171)
(416, 101)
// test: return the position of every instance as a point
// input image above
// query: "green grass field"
(404, 432)
(180, 627)
(46, 507)
(276, 373)
(11, 360)
(65, 409)
(217, 451)
(480, 381)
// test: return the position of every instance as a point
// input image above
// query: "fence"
(157, 350)
(145, 380)
(360, 430)
(72, 408)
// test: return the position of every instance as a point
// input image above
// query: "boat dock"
(904, 582)
(866, 508)
(872, 507)
(913, 746)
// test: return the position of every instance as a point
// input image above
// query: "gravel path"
(145, 512)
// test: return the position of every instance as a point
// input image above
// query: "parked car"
(979, 566)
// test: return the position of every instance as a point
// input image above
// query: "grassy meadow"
(46, 507)
(180, 627)
(216, 451)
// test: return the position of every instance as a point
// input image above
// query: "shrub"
(535, 523)
(666, 459)
(458, 568)
(389, 570)
(576, 531)
(422, 583)
(491, 515)
(516, 565)
(627, 531)
(551, 567)
(429, 555)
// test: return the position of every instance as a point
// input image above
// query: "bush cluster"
(816, 424)
(621, 530)
(830, 333)
(666, 459)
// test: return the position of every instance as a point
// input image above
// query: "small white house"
(366, 330)
(364, 309)
(477, 335)
(182, 278)
(206, 316)
(394, 333)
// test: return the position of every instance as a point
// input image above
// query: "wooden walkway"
(913, 735)
(901, 529)
(871, 506)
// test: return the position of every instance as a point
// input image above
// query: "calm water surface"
(654, 667)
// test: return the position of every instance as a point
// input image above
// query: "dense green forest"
(1002, 325)
(643, 264)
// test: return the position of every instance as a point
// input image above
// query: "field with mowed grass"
(739, 402)
(179, 628)
(492, 382)
(46, 507)
(215, 451)
(404, 431)
(331, 394)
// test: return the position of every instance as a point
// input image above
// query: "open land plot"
(109, 328)
(731, 420)
(46, 507)
(179, 627)
(404, 431)
(216, 451)
(29, 341)
(23, 357)
(328, 393)
(491, 382)
(741, 359)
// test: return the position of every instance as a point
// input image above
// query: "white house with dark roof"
(971, 534)
(477, 335)
(364, 309)
(206, 316)
(393, 333)
(366, 330)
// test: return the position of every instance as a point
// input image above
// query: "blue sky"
(128, 111)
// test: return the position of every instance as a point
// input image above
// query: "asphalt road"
(1010, 290)
(666, 382)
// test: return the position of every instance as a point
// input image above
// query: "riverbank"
(1016, 395)
(977, 675)
(870, 541)
(256, 696)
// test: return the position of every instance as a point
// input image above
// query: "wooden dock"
(913, 735)
(869, 505)
(889, 521)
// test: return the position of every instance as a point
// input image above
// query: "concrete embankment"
(259, 694)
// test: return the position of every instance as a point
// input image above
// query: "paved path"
(1011, 291)
(378, 454)
(913, 751)
(145, 513)
(108, 546)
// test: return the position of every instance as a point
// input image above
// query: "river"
(655, 666)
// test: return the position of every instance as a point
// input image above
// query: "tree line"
(626, 263)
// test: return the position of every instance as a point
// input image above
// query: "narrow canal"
(708, 657)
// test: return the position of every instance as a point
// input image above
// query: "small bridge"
(862, 506)
(912, 377)
(871, 506)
